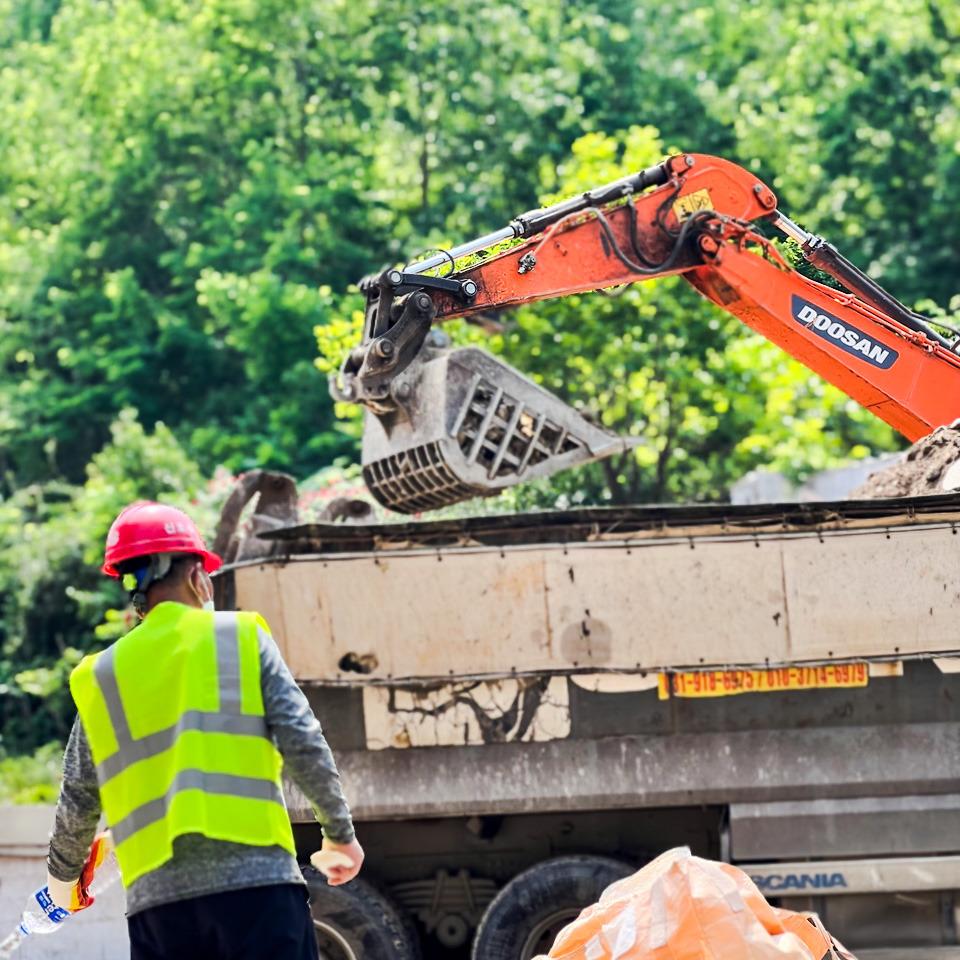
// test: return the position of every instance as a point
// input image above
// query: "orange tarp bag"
(681, 907)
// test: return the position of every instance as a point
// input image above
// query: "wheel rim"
(332, 944)
(541, 937)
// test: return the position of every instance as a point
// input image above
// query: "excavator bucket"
(468, 425)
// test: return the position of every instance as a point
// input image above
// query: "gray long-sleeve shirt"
(201, 865)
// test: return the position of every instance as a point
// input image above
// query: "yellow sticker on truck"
(690, 203)
(727, 683)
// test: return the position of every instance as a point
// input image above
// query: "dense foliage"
(187, 191)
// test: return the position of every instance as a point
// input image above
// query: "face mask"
(208, 605)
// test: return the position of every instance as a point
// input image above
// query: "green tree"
(56, 603)
(135, 174)
(188, 191)
(850, 110)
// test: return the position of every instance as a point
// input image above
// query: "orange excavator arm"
(694, 215)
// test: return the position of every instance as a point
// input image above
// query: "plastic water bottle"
(41, 915)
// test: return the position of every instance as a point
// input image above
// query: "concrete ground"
(99, 933)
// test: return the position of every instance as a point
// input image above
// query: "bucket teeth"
(469, 426)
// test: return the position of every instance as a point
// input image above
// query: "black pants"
(257, 923)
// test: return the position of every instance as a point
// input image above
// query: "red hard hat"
(145, 528)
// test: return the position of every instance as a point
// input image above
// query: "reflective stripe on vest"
(225, 783)
(214, 769)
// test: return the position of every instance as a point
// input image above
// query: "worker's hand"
(68, 894)
(338, 862)
(74, 895)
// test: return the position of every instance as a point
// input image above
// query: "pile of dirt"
(930, 466)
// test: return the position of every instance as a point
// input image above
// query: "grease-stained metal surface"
(858, 827)
(466, 714)
(632, 772)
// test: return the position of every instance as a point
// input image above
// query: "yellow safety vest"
(174, 715)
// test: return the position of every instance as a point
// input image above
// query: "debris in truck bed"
(930, 466)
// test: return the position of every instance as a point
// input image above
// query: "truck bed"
(620, 590)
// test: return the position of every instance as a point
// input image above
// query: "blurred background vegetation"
(188, 190)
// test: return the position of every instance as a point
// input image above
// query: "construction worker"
(181, 727)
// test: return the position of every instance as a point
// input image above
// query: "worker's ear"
(198, 584)
(202, 586)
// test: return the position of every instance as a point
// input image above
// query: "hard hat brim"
(211, 561)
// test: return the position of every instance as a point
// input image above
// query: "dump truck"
(526, 708)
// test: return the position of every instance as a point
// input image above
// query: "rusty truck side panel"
(641, 601)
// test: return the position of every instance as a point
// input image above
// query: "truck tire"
(535, 905)
(357, 922)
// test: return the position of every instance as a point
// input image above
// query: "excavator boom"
(447, 424)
